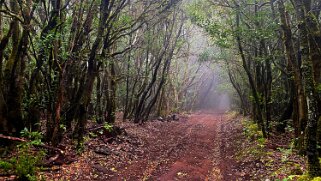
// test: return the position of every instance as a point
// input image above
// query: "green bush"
(251, 130)
(254, 135)
(6, 166)
(108, 127)
(306, 177)
(26, 162)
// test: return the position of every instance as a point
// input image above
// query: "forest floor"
(199, 146)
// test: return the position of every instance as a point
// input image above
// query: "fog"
(211, 88)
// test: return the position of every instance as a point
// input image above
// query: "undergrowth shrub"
(253, 135)
(304, 177)
(109, 127)
(252, 131)
(5, 166)
(25, 163)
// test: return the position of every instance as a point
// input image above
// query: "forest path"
(198, 148)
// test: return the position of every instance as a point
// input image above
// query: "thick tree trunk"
(92, 70)
(4, 125)
(307, 24)
(298, 79)
(15, 69)
(314, 40)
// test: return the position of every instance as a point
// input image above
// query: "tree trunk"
(112, 88)
(291, 58)
(251, 81)
(306, 21)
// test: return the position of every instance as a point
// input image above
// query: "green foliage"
(205, 56)
(34, 137)
(125, 19)
(261, 141)
(211, 22)
(6, 166)
(25, 163)
(316, 179)
(289, 169)
(291, 177)
(286, 152)
(80, 147)
(252, 131)
(93, 135)
(108, 126)
(253, 134)
(305, 177)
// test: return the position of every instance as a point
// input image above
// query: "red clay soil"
(198, 147)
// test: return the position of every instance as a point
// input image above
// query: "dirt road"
(193, 149)
(198, 147)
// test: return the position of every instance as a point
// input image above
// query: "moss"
(306, 177)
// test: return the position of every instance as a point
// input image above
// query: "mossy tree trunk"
(311, 57)
(300, 96)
